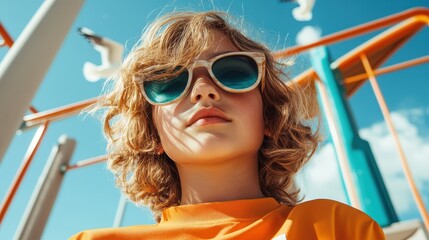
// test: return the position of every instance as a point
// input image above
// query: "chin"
(223, 152)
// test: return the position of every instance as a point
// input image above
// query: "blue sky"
(88, 198)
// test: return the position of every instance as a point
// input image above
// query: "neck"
(234, 179)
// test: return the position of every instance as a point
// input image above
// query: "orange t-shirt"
(251, 219)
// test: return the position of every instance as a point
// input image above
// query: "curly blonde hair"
(151, 179)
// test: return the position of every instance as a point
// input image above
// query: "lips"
(209, 115)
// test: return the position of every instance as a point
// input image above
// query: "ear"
(160, 150)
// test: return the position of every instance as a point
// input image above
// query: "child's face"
(234, 129)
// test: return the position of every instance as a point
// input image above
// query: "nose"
(204, 89)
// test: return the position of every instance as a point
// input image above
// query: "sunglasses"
(235, 72)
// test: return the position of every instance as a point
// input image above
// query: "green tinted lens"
(164, 91)
(236, 72)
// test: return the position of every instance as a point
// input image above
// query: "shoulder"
(326, 206)
(332, 218)
(329, 210)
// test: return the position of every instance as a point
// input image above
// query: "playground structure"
(360, 173)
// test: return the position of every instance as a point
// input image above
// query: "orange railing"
(386, 114)
(7, 40)
(32, 149)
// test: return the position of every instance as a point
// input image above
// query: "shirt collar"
(246, 209)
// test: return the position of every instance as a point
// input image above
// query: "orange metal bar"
(57, 113)
(32, 149)
(403, 158)
(33, 109)
(351, 32)
(392, 68)
(7, 40)
(62, 112)
(87, 162)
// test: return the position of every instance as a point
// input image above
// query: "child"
(202, 129)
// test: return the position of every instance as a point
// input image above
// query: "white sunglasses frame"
(258, 57)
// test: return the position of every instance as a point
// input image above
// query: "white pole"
(40, 205)
(26, 63)
(120, 211)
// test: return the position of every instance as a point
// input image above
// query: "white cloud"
(320, 178)
(308, 34)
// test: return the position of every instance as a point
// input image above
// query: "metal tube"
(391, 127)
(7, 40)
(87, 162)
(120, 211)
(337, 141)
(40, 205)
(356, 31)
(41, 40)
(58, 113)
(372, 193)
(388, 69)
(32, 149)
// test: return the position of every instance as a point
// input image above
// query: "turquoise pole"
(372, 193)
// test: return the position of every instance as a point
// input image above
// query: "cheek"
(162, 119)
(252, 127)
(249, 116)
(156, 117)
(168, 126)
(252, 109)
